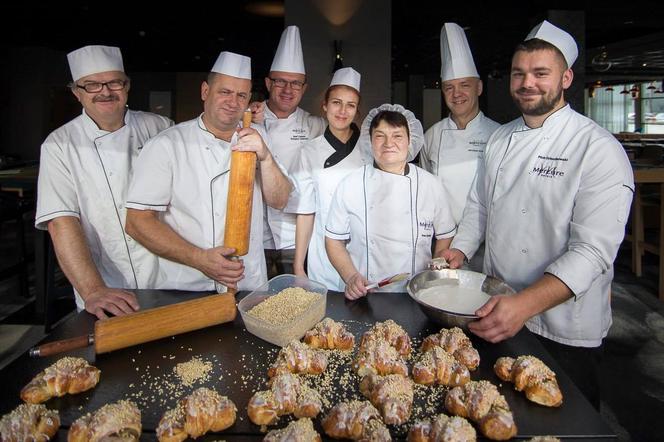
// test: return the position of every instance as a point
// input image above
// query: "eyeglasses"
(94, 87)
(296, 85)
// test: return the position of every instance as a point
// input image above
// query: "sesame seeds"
(285, 306)
(192, 371)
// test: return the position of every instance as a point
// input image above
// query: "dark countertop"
(144, 373)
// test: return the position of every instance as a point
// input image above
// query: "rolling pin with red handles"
(149, 325)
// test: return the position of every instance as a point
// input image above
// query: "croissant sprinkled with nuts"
(392, 395)
(391, 332)
(531, 375)
(120, 420)
(482, 403)
(455, 342)
(29, 422)
(301, 430)
(202, 411)
(356, 420)
(442, 428)
(437, 366)
(298, 358)
(66, 376)
(287, 395)
(329, 334)
(379, 357)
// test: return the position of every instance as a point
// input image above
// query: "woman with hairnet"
(385, 216)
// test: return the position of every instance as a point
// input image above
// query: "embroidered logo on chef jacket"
(299, 134)
(427, 228)
(549, 167)
(477, 146)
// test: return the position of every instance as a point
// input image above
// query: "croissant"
(391, 332)
(29, 422)
(392, 395)
(329, 334)
(442, 428)
(531, 375)
(455, 342)
(287, 395)
(202, 411)
(356, 420)
(120, 420)
(437, 366)
(481, 402)
(379, 357)
(68, 375)
(298, 358)
(301, 430)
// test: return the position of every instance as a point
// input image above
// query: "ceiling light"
(624, 91)
(609, 89)
(651, 87)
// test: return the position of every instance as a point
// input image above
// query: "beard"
(544, 105)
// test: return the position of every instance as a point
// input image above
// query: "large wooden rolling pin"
(149, 325)
(240, 197)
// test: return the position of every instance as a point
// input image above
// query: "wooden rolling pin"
(240, 197)
(149, 325)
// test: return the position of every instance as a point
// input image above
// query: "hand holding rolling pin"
(105, 300)
(216, 264)
(249, 140)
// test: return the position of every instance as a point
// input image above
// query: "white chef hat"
(557, 37)
(346, 77)
(288, 57)
(456, 60)
(94, 59)
(234, 65)
(414, 127)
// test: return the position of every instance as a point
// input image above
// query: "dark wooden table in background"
(240, 360)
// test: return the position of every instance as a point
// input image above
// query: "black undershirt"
(341, 149)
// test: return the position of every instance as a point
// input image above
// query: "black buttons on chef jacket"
(524, 250)
(523, 210)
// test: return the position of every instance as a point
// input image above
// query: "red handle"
(56, 347)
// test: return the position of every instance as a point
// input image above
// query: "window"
(616, 110)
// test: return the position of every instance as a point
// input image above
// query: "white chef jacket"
(389, 220)
(453, 154)
(183, 173)
(84, 172)
(315, 185)
(287, 136)
(553, 199)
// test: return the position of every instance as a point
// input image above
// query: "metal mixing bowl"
(464, 278)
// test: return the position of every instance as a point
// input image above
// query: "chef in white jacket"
(386, 215)
(552, 208)
(289, 128)
(454, 146)
(84, 173)
(322, 164)
(177, 200)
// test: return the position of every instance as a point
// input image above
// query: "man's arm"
(146, 228)
(274, 185)
(504, 315)
(76, 262)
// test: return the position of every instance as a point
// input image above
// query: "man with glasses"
(84, 173)
(177, 199)
(289, 127)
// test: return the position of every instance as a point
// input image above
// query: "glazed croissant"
(481, 402)
(379, 357)
(437, 366)
(356, 420)
(120, 420)
(329, 334)
(202, 411)
(455, 342)
(392, 395)
(391, 332)
(298, 358)
(29, 422)
(287, 395)
(66, 376)
(442, 428)
(301, 430)
(531, 375)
